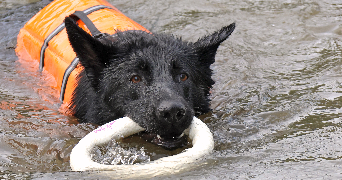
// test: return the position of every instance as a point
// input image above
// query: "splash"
(114, 154)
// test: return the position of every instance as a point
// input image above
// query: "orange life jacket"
(44, 38)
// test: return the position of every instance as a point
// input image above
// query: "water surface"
(277, 101)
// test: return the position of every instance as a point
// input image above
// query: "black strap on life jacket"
(81, 15)
(94, 31)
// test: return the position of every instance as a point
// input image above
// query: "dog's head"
(157, 80)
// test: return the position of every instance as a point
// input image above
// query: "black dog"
(157, 80)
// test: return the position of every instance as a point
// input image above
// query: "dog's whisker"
(158, 136)
(181, 135)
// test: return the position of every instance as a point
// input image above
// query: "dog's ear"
(206, 46)
(90, 51)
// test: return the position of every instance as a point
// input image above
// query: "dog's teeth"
(181, 135)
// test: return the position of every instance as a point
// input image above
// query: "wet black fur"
(105, 91)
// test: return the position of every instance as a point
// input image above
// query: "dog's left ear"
(91, 52)
(206, 46)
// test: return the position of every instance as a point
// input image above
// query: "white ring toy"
(80, 160)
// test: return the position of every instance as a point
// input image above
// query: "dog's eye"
(136, 79)
(183, 77)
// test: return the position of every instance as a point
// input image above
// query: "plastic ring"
(198, 132)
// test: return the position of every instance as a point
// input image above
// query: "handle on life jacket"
(90, 25)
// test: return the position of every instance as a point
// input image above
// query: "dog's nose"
(171, 110)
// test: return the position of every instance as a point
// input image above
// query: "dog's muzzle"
(198, 132)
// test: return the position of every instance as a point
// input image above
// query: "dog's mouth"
(167, 143)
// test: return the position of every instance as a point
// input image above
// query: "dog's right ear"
(206, 46)
(90, 51)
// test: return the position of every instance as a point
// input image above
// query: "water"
(277, 101)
